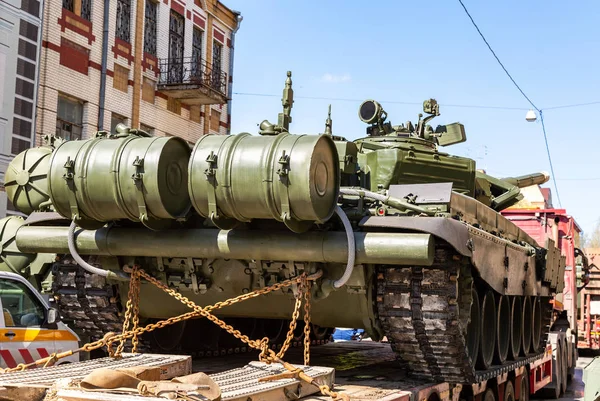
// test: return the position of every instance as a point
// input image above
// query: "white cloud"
(333, 78)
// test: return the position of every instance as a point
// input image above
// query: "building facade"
(166, 63)
(20, 38)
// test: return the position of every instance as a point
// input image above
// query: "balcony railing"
(191, 72)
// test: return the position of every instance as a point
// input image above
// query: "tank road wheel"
(298, 334)
(473, 328)
(526, 332)
(516, 324)
(320, 334)
(536, 336)
(502, 328)
(169, 337)
(487, 339)
(509, 391)
(274, 330)
(489, 395)
(524, 393)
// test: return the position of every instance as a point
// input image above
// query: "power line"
(566, 106)
(497, 59)
(524, 95)
(549, 158)
(470, 106)
(466, 106)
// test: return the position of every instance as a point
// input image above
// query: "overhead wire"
(469, 106)
(524, 95)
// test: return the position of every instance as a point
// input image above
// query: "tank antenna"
(328, 123)
(287, 101)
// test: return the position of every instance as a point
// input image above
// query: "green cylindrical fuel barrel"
(11, 258)
(26, 179)
(135, 178)
(289, 178)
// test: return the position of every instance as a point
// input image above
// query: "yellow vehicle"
(29, 328)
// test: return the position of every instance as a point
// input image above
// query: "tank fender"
(452, 231)
(517, 275)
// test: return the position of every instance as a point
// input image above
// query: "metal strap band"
(210, 173)
(284, 182)
(69, 176)
(137, 177)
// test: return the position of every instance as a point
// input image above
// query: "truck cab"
(29, 328)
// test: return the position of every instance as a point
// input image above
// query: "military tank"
(408, 238)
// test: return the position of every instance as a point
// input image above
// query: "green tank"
(408, 237)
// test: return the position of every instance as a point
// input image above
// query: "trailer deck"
(363, 370)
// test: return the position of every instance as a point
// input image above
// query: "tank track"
(92, 308)
(424, 313)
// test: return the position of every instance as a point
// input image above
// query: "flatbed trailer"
(363, 370)
(517, 382)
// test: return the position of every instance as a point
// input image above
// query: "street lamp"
(530, 116)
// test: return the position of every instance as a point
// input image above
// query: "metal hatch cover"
(425, 193)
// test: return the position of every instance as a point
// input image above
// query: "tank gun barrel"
(528, 179)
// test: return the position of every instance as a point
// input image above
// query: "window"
(24, 88)
(69, 118)
(215, 119)
(176, 30)
(21, 127)
(121, 78)
(116, 119)
(19, 145)
(148, 90)
(123, 19)
(174, 105)
(28, 30)
(195, 113)
(20, 306)
(23, 108)
(150, 28)
(216, 65)
(197, 53)
(147, 129)
(25, 69)
(80, 7)
(27, 50)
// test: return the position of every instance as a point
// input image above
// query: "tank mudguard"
(507, 267)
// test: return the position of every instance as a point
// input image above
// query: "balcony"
(192, 81)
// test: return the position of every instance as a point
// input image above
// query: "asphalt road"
(358, 364)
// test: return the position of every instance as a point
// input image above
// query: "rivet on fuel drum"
(248, 271)
(211, 269)
(245, 290)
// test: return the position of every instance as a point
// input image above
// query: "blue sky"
(404, 51)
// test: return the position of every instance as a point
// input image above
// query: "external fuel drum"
(289, 178)
(135, 178)
(26, 179)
